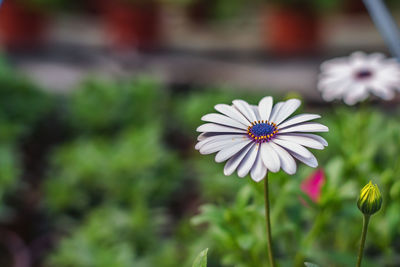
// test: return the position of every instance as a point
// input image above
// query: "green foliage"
(201, 259)
(9, 174)
(100, 105)
(22, 104)
(94, 170)
(109, 236)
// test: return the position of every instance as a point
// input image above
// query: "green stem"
(363, 237)
(268, 221)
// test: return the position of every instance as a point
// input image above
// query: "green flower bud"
(370, 200)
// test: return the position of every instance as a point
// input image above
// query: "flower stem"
(268, 221)
(363, 237)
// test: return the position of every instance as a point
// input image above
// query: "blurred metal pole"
(386, 25)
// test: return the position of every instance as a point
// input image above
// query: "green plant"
(22, 105)
(135, 163)
(100, 105)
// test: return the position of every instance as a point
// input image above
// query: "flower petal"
(245, 109)
(212, 147)
(299, 119)
(233, 113)
(229, 151)
(313, 136)
(212, 127)
(219, 137)
(357, 93)
(312, 161)
(224, 120)
(270, 158)
(293, 147)
(255, 110)
(259, 171)
(305, 127)
(286, 110)
(275, 111)
(248, 161)
(288, 164)
(301, 140)
(234, 162)
(265, 107)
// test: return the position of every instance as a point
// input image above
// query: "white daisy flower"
(353, 78)
(259, 138)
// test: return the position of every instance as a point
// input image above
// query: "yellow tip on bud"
(370, 200)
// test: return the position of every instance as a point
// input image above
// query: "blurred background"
(99, 102)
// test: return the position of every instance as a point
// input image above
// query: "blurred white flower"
(353, 78)
(260, 138)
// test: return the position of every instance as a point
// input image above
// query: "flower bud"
(370, 200)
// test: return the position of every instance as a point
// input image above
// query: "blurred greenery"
(22, 104)
(100, 105)
(127, 187)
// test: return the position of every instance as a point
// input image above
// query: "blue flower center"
(261, 131)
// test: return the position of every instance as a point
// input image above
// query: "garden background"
(99, 105)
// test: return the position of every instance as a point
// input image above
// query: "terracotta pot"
(132, 25)
(21, 26)
(289, 31)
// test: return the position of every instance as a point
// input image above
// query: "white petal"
(245, 109)
(212, 147)
(288, 164)
(301, 140)
(212, 127)
(202, 136)
(255, 110)
(337, 90)
(219, 137)
(224, 120)
(286, 110)
(265, 107)
(229, 151)
(312, 161)
(275, 111)
(298, 119)
(384, 92)
(259, 171)
(305, 127)
(234, 162)
(358, 59)
(248, 161)
(357, 93)
(233, 113)
(270, 158)
(313, 136)
(293, 147)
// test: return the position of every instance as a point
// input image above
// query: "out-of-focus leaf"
(201, 259)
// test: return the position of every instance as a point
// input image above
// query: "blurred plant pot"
(133, 25)
(289, 30)
(21, 26)
(199, 11)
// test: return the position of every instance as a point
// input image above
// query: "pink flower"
(313, 184)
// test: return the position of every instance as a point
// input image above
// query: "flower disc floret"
(261, 131)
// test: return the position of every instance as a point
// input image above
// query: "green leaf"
(309, 264)
(201, 259)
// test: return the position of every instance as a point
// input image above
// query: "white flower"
(353, 78)
(260, 138)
